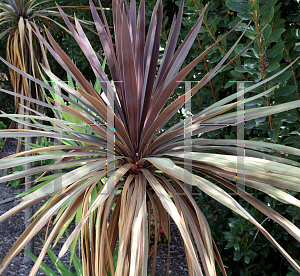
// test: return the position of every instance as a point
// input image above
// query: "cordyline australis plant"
(23, 48)
(23, 20)
(145, 167)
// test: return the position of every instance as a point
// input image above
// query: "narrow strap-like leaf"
(171, 44)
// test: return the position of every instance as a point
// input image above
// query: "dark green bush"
(243, 249)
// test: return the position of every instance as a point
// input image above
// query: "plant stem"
(258, 231)
(262, 59)
(293, 70)
(197, 101)
(264, 73)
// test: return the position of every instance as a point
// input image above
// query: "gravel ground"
(13, 227)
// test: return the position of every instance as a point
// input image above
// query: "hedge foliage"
(244, 250)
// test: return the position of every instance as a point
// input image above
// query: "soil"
(13, 227)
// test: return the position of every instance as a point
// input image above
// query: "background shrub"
(280, 45)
